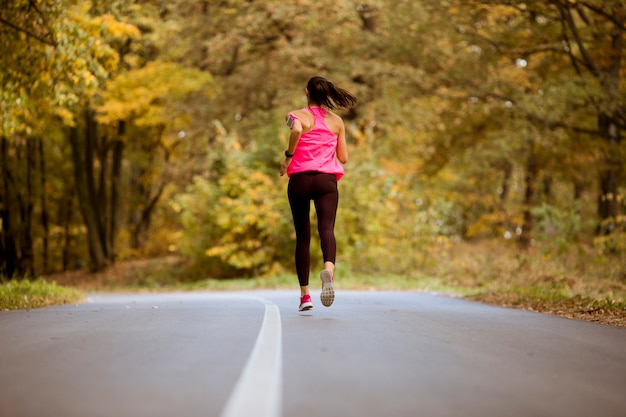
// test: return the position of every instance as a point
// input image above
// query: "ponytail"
(322, 91)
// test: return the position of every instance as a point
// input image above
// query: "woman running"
(313, 161)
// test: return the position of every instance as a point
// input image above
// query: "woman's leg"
(300, 202)
(326, 199)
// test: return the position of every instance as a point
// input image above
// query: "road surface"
(252, 354)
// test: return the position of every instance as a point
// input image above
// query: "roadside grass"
(580, 284)
(172, 274)
(26, 294)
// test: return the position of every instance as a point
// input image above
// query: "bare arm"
(342, 148)
(294, 138)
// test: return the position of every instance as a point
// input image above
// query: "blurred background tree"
(143, 128)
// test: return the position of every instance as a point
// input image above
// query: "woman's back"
(317, 145)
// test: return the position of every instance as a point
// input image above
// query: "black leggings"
(322, 189)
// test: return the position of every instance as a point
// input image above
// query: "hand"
(284, 166)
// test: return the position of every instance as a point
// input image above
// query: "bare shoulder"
(305, 117)
(296, 112)
(334, 121)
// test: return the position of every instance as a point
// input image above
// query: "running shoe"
(328, 293)
(305, 303)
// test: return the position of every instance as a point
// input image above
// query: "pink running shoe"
(328, 293)
(305, 303)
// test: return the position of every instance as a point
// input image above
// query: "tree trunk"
(8, 247)
(44, 209)
(611, 171)
(102, 201)
(27, 247)
(507, 172)
(547, 188)
(610, 177)
(65, 218)
(532, 170)
(143, 226)
(141, 212)
(116, 181)
(96, 249)
(96, 200)
(578, 195)
(136, 193)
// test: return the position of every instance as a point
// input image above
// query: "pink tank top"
(316, 149)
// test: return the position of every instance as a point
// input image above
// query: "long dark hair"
(323, 92)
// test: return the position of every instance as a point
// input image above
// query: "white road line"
(258, 391)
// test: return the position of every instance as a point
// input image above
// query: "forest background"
(486, 155)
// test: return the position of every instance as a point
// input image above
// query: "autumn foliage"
(142, 128)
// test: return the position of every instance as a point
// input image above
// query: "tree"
(474, 119)
(55, 55)
(148, 100)
(571, 53)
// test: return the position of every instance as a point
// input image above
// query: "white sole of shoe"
(305, 307)
(328, 293)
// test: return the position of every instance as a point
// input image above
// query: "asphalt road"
(253, 354)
